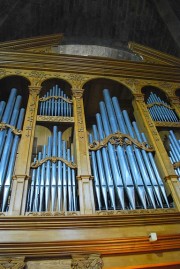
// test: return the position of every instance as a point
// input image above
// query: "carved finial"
(12, 262)
(92, 261)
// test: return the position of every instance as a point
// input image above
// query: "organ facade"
(89, 158)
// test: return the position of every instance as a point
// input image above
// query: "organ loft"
(89, 158)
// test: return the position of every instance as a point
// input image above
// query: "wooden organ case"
(89, 158)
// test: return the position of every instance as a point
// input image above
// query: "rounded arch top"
(93, 94)
(159, 91)
(19, 82)
(63, 84)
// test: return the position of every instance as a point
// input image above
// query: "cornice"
(130, 245)
(154, 56)
(32, 43)
(88, 65)
(89, 221)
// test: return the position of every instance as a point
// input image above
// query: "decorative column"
(92, 261)
(166, 168)
(12, 262)
(84, 172)
(22, 167)
(175, 103)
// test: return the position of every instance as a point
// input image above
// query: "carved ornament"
(12, 262)
(55, 118)
(53, 214)
(3, 126)
(135, 212)
(92, 261)
(119, 139)
(176, 164)
(53, 159)
(158, 104)
(67, 100)
(167, 124)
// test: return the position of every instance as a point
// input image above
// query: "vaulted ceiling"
(110, 23)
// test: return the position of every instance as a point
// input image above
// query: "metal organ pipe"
(11, 114)
(55, 103)
(174, 152)
(53, 186)
(160, 112)
(129, 166)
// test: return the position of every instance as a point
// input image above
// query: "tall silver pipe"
(148, 166)
(53, 175)
(126, 177)
(156, 172)
(74, 187)
(59, 183)
(96, 176)
(8, 141)
(107, 162)
(130, 156)
(9, 173)
(117, 180)
(103, 168)
(2, 107)
(141, 163)
(37, 186)
(64, 177)
(42, 182)
(48, 175)
(69, 184)
(59, 102)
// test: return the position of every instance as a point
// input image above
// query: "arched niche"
(93, 94)
(49, 83)
(42, 132)
(146, 90)
(18, 82)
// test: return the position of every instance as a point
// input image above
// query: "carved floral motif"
(12, 262)
(92, 261)
(53, 159)
(43, 99)
(55, 118)
(119, 139)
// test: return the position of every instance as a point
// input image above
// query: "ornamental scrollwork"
(53, 159)
(176, 165)
(119, 139)
(67, 100)
(159, 104)
(4, 126)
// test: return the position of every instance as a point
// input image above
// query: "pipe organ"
(174, 152)
(11, 118)
(125, 173)
(160, 110)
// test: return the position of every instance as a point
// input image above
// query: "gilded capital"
(34, 90)
(139, 97)
(92, 261)
(77, 92)
(12, 262)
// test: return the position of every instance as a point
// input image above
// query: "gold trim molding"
(4, 126)
(12, 262)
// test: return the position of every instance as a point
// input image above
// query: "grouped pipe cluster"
(160, 110)
(174, 151)
(53, 185)
(125, 177)
(55, 103)
(11, 116)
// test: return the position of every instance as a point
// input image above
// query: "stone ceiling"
(109, 23)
